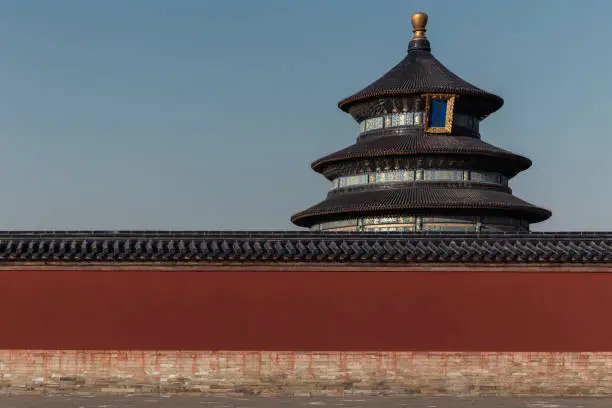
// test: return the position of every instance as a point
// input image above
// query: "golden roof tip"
(419, 22)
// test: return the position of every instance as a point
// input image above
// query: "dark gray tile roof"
(420, 197)
(420, 72)
(423, 144)
(309, 247)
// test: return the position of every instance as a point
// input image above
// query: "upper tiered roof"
(421, 72)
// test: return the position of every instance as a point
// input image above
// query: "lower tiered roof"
(428, 197)
(199, 247)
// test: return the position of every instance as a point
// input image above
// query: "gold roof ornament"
(419, 22)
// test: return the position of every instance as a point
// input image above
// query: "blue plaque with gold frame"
(439, 110)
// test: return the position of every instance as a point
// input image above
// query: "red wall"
(180, 310)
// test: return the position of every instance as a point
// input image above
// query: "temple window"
(439, 110)
(412, 175)
(466, 121)
(391, 121)
(437, 113)
(415, 223)
(395, 120)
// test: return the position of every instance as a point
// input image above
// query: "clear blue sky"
(195, 114)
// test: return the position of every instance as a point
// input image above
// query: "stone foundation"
(306, 373)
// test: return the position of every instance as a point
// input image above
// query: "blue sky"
(195, 114)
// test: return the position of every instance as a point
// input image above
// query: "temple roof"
(423, 144)
(420, 197)
(420, 72)
(280, 247)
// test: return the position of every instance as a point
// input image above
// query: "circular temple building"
(419, 163)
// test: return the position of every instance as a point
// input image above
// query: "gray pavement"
(58, 401)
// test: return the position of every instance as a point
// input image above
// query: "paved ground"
(23, 401)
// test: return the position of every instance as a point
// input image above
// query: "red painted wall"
(185, 310)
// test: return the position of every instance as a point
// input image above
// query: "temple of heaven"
(419, 163)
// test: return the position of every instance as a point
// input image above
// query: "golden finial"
(419, 21)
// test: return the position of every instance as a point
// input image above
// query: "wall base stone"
(306, 373)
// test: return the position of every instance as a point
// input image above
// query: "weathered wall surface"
(306, 373)
(305, 330)
(290, 309)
